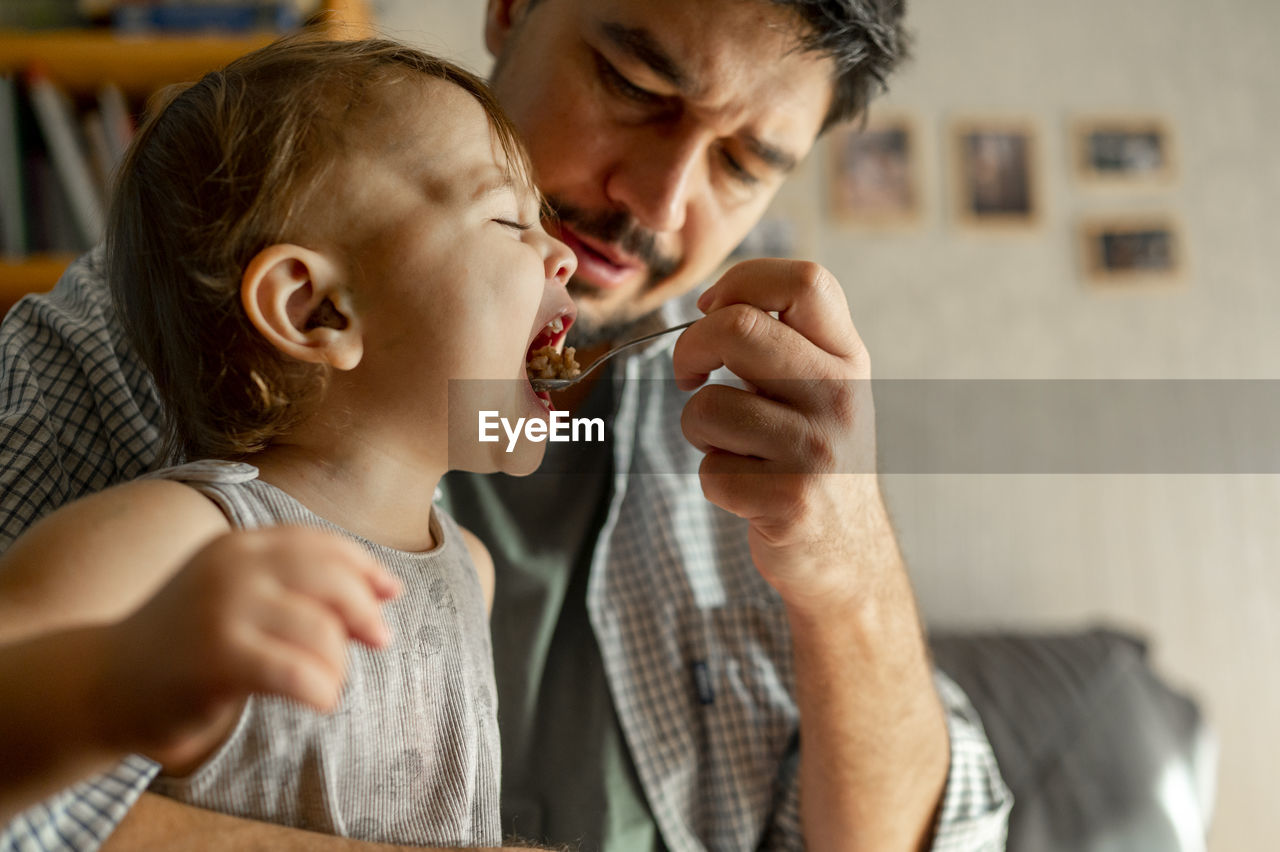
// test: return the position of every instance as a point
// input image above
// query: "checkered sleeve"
(80, 818)
(78, 412)
(974, 815)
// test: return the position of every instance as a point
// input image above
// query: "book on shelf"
(67, 152)
(13, 217)
(50, 228)
(94, 133)
(205, 16)
(116, 120)
(53, 230)
(56, 165)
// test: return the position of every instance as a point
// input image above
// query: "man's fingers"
(805, 296)
(752, 488)
(754, 346)
(735, 421)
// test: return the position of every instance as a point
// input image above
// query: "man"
(730, 660)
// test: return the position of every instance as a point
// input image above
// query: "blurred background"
(1085, 190)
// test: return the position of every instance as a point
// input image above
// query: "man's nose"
(657, 179)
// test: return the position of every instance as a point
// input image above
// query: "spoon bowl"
(561, 384)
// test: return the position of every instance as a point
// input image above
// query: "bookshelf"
(81, 60)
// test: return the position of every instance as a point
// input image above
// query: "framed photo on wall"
(1121, 151)
(1131, 250)
(996, 182)
(875, 172)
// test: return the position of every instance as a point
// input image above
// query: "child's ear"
(296, 299)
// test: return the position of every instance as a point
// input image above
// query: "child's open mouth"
(548, 358)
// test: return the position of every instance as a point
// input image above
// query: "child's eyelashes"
(514, 225)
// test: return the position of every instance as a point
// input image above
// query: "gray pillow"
(1099, 753)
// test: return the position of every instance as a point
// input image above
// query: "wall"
(1192, 561)
(1189, 560)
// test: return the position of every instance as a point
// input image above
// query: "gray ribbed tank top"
(411, 754)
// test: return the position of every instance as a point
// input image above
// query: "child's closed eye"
(513, 224)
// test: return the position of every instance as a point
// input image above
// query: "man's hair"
(866, 39)
(221, 169)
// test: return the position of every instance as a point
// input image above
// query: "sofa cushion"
(1099, 753)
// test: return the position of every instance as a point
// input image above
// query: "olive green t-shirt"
(567, 777)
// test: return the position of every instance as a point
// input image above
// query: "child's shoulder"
(483, 561)
(161, 511)
(99, 557)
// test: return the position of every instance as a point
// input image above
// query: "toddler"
(305, 249)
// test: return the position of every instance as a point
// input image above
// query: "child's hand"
(265, 611)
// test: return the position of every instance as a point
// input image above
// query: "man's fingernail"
(704, 300)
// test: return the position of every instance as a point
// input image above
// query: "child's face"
(454, 277)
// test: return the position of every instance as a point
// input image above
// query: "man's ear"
(500, 18)
(296, 299)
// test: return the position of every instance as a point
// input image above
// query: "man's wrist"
(861, 577)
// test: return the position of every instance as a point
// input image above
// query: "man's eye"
(736, 170)
(623, 87)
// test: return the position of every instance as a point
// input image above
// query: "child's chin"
(523, 460)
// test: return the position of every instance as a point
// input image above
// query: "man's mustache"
(619, 228)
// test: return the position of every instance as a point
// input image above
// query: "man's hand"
(264, 611)
(795, 456)
(771, 454)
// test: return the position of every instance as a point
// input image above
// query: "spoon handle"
(615, 350)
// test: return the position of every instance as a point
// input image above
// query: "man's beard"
(617, 228)
(588, 331)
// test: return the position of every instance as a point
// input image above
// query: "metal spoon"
(561, 384)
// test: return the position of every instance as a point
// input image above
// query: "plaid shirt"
(694, 642)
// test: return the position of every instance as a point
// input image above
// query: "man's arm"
(874, 748)
(163, 824)
(795, 457)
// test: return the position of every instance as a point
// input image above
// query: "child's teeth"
(556, 325)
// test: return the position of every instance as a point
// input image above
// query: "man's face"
(659, 129)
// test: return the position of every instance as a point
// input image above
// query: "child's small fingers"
(329, 545)
(338, 578)
(277, 668)
(384, 584)
(308, 625)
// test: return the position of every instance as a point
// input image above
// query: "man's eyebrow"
(772, 155)
(641, 44)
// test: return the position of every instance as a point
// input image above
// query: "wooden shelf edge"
(84, 60)
(36, 274)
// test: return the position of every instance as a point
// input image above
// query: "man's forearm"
(874, 751)
(157, 823)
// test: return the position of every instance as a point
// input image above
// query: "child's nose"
(560, 261)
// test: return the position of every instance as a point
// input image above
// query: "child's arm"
(484, 565)
(97, 559)
(258, 611)
(50, 735)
